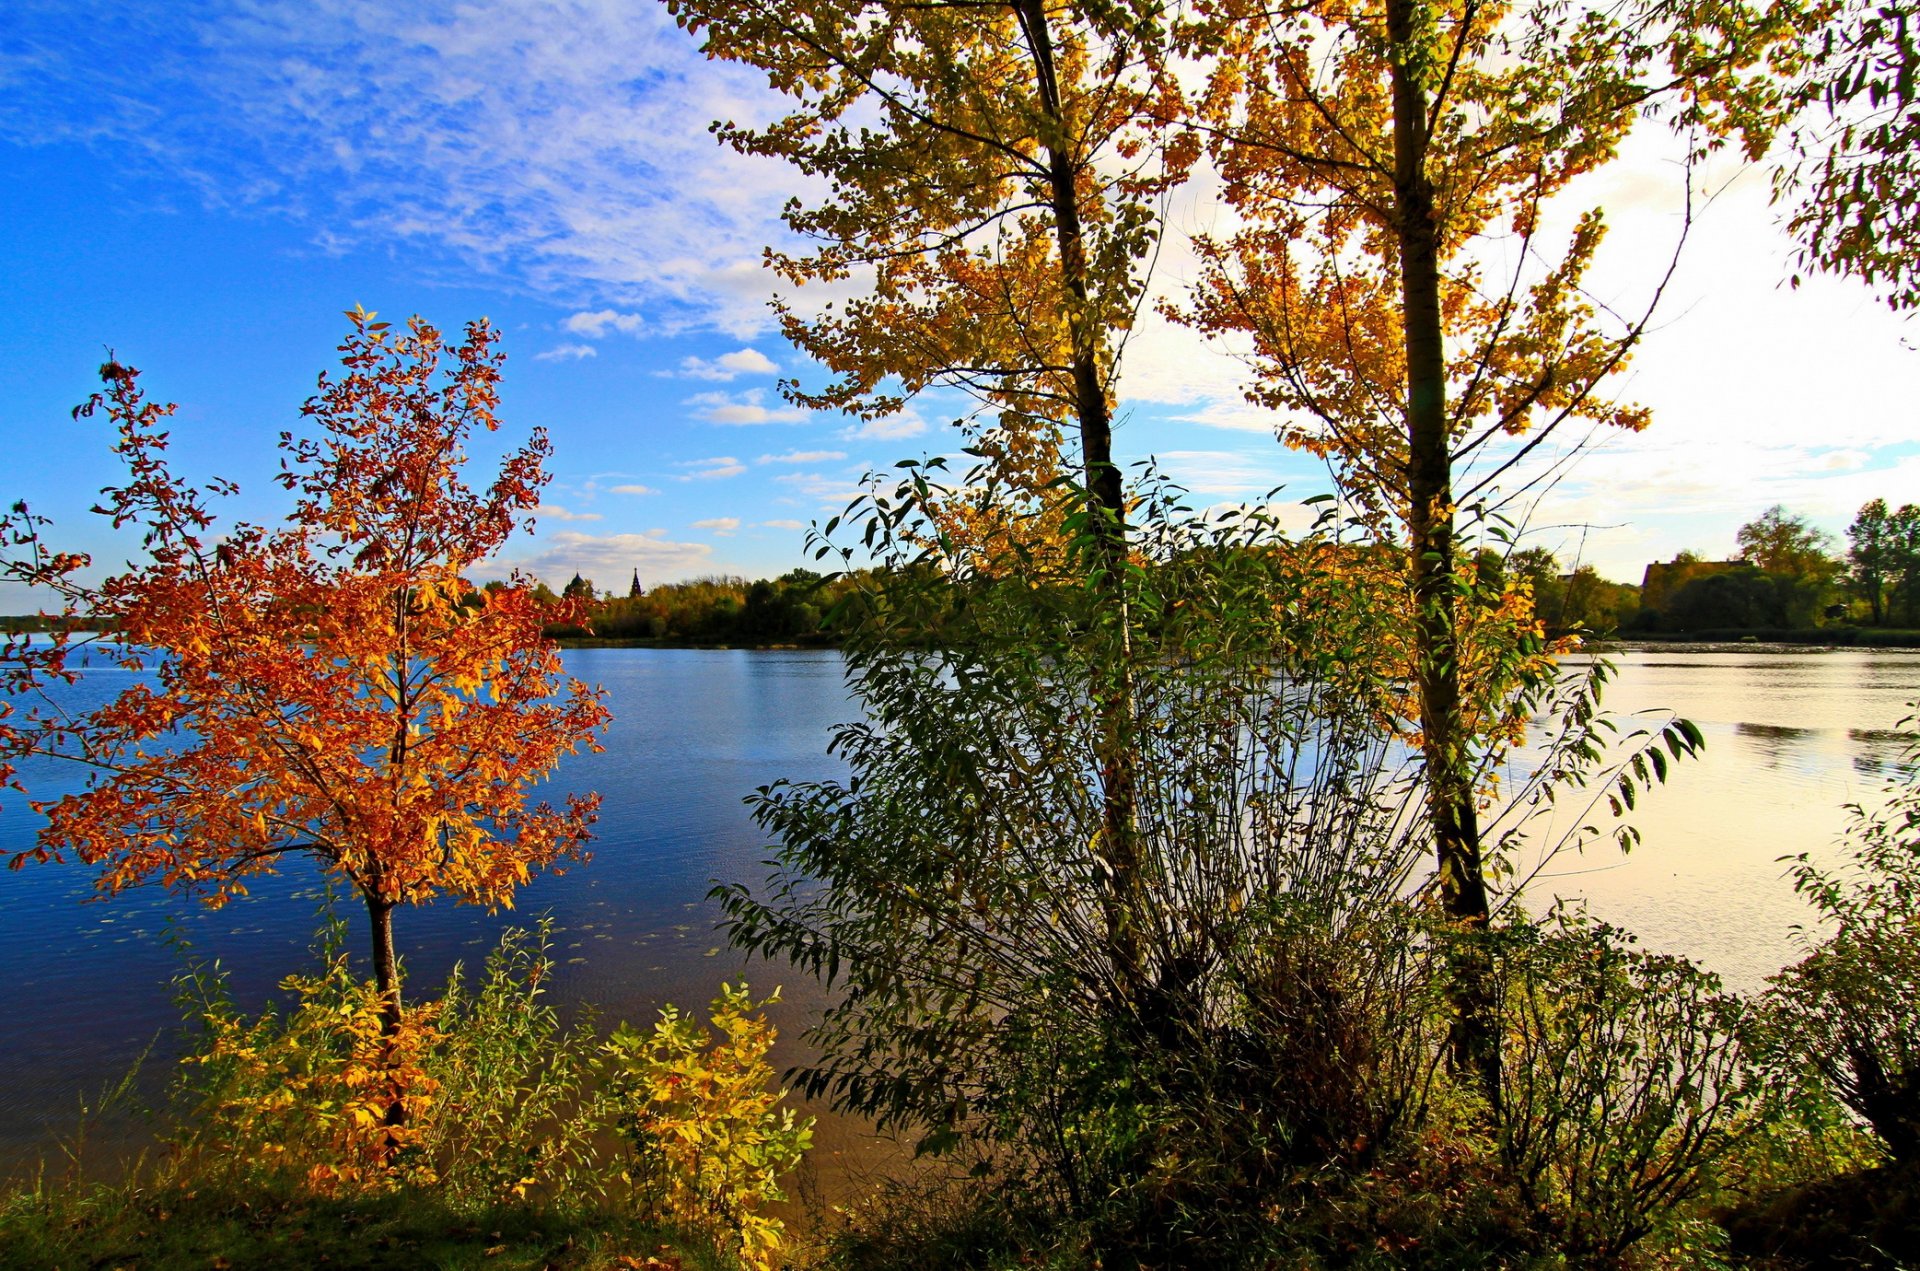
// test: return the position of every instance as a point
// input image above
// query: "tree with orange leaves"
(332, 686)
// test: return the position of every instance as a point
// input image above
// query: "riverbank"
(1776, 639)
(174, 1228)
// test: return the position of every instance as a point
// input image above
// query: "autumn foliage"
(332, 686)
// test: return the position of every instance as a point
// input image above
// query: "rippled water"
(1792, 737)
(694, 731)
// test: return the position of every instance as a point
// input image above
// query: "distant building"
(636, 591)
(1663, 578)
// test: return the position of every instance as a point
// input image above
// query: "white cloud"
(719, 524)
(566, 352)
(612, 557)
(782, 525)
(714, 469)
(907, 423)
(725, 367)
(558, 144)
(632, 489)
(595, 325)
(1220, 472)
(827, 491)
(744, 407)
(804, 456)
(553, 512)
(1232, 412)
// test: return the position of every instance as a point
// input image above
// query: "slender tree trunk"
(1430, 531)
(386, 979)
(1106, 503)
(385, 973)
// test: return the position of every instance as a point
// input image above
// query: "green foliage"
(955, 892)
(1621, 1084)
(490, 1081)
(1581, 601)
(1848, 1014)
(1853, 166)
(1739, 598)
(708, 1140)
(720, 610)
(1883, 561)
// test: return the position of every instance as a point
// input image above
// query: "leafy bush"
(1622, 1083)
(1848, 1014)
(1152, 1024)
(312, 1089)
(709, 1142)
(486, 1099)
(479, 1095)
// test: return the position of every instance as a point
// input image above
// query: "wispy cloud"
(907, 423)
(556, 144)
(597, 324)
(566, 352)
(726, 367)
(718, 524)
(1221, 472)
(820, 488)
(782, 525)
(804, 456)
(632, 488)
(745, 407)
(715, 469)
(554, 512)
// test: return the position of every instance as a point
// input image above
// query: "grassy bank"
(178, 1225)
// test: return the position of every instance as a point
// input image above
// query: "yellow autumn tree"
(1392, 164)
(992, 177)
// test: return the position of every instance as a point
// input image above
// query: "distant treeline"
(40, 624)
(798, 607)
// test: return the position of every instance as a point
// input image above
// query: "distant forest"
(795, 608)
(1788, 579)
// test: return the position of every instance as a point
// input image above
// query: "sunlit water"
(1792, 737)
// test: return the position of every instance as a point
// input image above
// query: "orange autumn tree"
(333, 686)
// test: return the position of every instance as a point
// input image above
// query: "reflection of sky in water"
(1791, 739)
(694, 732)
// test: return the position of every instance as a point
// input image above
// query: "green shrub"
(708, 1139)
(1847, 1016)
(1622, 1085)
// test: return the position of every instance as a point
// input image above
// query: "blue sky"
(204, 186)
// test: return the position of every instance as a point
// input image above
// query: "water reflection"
(1791, 739)
(1771, 742)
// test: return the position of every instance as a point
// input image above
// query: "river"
(1792, 736)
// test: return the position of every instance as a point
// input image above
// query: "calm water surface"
(1791, 738)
